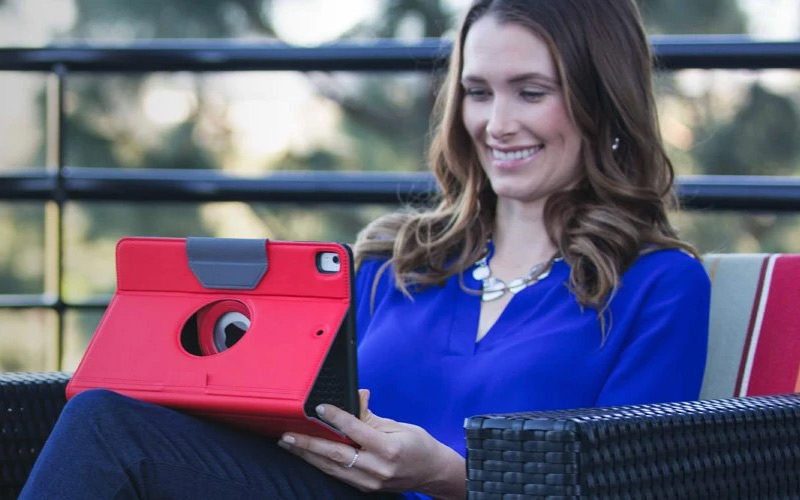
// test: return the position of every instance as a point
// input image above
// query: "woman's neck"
(520, 238)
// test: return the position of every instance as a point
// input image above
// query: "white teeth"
(514, 155)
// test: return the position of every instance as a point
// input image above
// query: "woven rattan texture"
(729, 448)
(29, 406)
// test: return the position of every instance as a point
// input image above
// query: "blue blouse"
(419, 358)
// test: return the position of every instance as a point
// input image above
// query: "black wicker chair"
(29, 406)
(727, 448)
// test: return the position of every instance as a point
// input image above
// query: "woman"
(547, 277)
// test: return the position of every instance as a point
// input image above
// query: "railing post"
(54, 209)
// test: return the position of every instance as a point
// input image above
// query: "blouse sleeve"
(664, 355)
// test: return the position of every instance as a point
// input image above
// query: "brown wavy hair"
(618, 209)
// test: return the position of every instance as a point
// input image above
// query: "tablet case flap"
(227, 262)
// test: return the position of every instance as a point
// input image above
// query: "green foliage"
(760, 138)
(86, 147)
(21, 244)
(431, 14)
(318, 159)
(141, 19)
(382, 125)
(692, 17)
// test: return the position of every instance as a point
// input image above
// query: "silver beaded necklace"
(494, 288)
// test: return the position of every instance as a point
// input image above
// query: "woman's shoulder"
(663, 284)
(369, 268)
(667, 264)
(667, 258)
(369, 265)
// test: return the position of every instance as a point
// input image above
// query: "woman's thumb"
(363, 399)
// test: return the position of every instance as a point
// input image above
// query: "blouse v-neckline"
(473, 301)
(481, 311)
(467, 316)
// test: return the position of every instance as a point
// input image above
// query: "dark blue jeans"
(106, 445)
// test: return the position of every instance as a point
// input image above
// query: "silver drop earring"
(615, 145)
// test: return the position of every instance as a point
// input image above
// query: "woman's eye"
(476, 93)
(532, 95)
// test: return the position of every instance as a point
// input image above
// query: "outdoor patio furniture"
(740, 440)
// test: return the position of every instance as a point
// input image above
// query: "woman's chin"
(515, 194)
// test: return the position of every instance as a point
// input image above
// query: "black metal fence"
(58, 183)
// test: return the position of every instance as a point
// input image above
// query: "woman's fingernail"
(288, 439)
(320, 410)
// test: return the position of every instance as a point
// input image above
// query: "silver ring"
(353, 461)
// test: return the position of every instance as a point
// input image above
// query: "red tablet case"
(264, 381)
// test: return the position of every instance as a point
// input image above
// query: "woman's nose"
(502, 121)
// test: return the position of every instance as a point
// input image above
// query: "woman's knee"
(96, 399)
(95, 403)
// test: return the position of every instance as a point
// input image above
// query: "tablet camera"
(328, 262)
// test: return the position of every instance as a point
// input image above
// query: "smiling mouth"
(520, 154)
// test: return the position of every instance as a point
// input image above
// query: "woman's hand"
(393, 456)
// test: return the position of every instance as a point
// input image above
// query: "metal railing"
(709, 192)
(671, 52)
(59, 183)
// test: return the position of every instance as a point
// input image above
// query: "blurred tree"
(698, 17)
(428, 18)
(383, 119)
(759, 138)
(21, 235)
(144, 19)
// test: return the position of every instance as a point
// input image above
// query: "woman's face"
(515, 113)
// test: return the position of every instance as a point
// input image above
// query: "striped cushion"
(754, 335)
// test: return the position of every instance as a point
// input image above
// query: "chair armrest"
(727, 448)
(30, 403)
